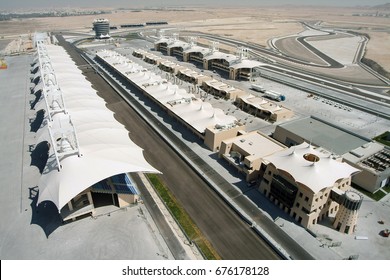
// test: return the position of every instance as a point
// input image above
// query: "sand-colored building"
(176, 48)
(195, 54)
(220, 89)
(230, 65)
(307, 183)
(374, 160)
(139, 53)
(170, 67)
(192, 76)
(247, 150)
(263, 108)
(346, 218)
(162, 44)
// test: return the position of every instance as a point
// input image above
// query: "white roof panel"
(105, 146)
(315, 175)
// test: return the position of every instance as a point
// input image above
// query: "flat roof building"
(264, 109)
(370, 157)
(247, 150)
(320, 133)
(192, 76)
(220, 89)
(374, 161)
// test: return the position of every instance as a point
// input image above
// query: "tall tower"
(346, 217)
(102, 28)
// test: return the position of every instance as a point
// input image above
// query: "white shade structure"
(310, 167)
(87, 144)
(184, 105)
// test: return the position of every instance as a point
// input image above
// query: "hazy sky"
(16, 4)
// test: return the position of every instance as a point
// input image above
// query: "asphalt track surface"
(231, 237)
(271, 53)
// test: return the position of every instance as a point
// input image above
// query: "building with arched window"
(307, 183)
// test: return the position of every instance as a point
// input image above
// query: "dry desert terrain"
(257, 25)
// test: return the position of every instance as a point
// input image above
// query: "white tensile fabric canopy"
(315, 175)
(195, 112)
(104, 146)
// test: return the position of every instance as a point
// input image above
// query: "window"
(266, 181)
(307, 211)
(297, 204)
(300, 194)
(306, 198)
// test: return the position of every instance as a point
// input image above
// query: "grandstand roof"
(104, 146)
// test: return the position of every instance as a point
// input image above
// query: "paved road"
(230, 236)
(272, 54)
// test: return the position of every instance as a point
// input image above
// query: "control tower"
(102, 28)
(346, 217)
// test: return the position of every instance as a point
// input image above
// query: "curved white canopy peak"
(101, 144)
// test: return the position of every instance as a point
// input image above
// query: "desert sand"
(257, 25)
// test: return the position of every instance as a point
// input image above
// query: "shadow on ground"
(45, 214)
(37, 122)
(40, 155)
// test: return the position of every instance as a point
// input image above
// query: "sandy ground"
(256, 25)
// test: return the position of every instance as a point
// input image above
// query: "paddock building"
(205, 121)
(246, 152)
(234, 66)
(264, 108)
(257, 106)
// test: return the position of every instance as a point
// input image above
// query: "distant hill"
(383, 7)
